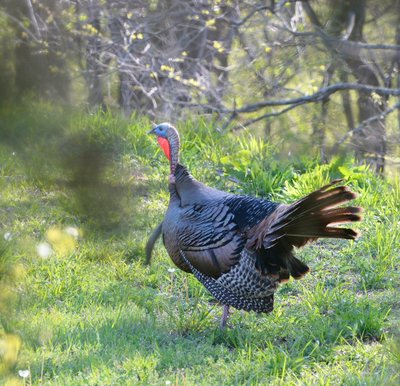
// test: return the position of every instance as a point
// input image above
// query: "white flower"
(44, 250)
(24, 373)
(72, 231)
(168, 382)
(171, 270)
(8, 236)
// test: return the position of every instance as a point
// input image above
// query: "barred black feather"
(242, 247)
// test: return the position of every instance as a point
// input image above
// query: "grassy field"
(79, 195)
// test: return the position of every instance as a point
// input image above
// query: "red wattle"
(165, 146)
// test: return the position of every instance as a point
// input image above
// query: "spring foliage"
(79, 196)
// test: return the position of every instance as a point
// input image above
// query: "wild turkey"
(240, 247)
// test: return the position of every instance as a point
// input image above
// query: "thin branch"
(33, 18)
(338, 41)
(318, 96)
(21, 25)
(311, 14)
(361, 126)
(265, 116)
(375, 46)
(255, 10)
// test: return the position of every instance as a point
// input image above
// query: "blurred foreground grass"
(79, 195)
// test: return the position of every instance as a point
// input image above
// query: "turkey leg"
(225, 315)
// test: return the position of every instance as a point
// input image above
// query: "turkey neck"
(189, 191)
(174, 144)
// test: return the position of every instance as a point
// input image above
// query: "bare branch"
(250, 15)
(318, 96)
(265, 116)
(338, 42)
(362, 125)
(375, 46)
(33, 18)
(21, 25)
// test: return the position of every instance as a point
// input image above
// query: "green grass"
(92, 314)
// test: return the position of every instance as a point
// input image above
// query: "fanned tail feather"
(314, 216)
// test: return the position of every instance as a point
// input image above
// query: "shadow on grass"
(132, 332)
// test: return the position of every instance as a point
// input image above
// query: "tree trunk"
(94, 69)
(398, 60)
(369, 141)
(319, 122)
(346, 100)
(40, 67)
(125, 94)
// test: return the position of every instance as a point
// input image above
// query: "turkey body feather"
(211, 229)
(242, 247)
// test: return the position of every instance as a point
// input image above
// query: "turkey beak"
(152, 131)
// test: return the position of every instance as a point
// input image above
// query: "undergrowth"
(80, 194)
